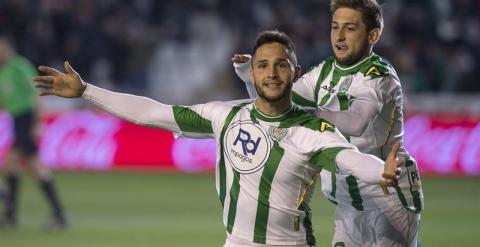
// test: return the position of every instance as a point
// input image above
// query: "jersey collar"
(354, 67)
(256, 113)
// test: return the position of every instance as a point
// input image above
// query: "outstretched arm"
(140, 110)
(369, 168)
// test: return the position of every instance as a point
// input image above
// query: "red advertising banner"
(86, 139)
(444, 144)
(100, 141)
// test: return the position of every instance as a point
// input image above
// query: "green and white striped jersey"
(370, 82)
(266, 167)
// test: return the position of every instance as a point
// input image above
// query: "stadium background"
(124, 185)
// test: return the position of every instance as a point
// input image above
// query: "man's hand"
(68, 85)
(237, 58)
(392, 166)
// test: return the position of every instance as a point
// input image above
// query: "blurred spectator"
(159, 48)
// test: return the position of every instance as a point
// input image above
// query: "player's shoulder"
(378, 68)
(303, 119)
(381, 74)
(227, 106)
(322, 66)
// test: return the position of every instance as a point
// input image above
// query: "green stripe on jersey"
(232, 208)
(295, 117)
(337, 74)
(325, 159)
(298, 99)
(263, 207)
(307, 223)
(343, 100)
(221, 163)
(359, 67)
(300, 117)
(190, 121)
(357, 200)
(326, 68)
(401, 196)
(334, 185)
(375, 68)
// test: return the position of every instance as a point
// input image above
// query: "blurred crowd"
(179, 50)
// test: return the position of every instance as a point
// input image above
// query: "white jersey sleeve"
(367, 168)
(354, 121)
(334, 153)
(243, 72)
(192, 121)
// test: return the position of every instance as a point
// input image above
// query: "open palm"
(68, 85)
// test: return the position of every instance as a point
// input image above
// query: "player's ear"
(374, 36)
(298, 73)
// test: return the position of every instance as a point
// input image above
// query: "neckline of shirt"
(264, 117)
(352, 66)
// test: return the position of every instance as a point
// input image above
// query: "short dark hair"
(275, 36)
(372, 12)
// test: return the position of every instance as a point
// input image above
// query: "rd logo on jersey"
(246, 146)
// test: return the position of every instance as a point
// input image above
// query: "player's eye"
(261, 65)
(351, 28)
(283, 65)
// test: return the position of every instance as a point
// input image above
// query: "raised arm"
(243, 65)
(136, 109)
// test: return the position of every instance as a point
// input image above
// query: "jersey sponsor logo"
(329, 89)
(245, 139)
(247, 146)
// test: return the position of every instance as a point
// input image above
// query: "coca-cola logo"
(81, 139)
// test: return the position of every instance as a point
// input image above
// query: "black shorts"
(23, 130)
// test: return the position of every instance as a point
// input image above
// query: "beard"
(273, 99)
(353, 57)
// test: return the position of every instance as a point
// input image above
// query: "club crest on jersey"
(246, 146)
(277, 133)
(345, 85)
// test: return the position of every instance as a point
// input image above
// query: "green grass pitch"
(121, 209)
